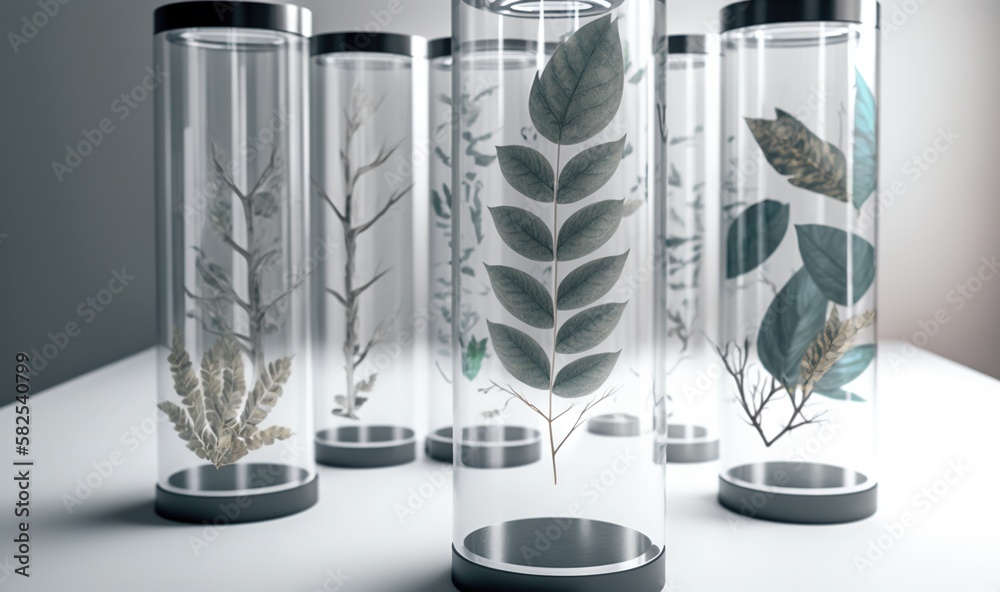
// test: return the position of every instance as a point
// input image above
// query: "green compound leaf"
(588, 171)
(584, 376)
(795, 151)
(590, 281)
(587, 329)
(588, 229)
(580, 89)
(754, 236)
(522, 295)
(472, 357)
(520, 355)
(524, 232)
(790, 325)
(824, 253)
(527, 171)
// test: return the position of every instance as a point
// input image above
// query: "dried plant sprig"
(219, 421)
(830, 346)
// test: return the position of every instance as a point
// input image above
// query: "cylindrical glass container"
(688, 188)
(495, 440)
(365, 321)
(554, 254)
(233, 361)
(797, 347)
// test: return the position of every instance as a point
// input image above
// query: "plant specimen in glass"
(575, 97)
(804, 347)
(356, 348)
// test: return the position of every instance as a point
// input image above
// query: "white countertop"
(933, 414)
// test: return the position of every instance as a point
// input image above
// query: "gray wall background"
(62, 242)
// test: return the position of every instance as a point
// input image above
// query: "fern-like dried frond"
(830, 346)
(184, 428)
(266, 392)
(268, 436)
(233, 383)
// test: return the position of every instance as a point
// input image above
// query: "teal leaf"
(472, 357)
(522, 295)
(865, 143)
(849, 367)
(438, 204)
(588, 229)
(754, 236)
(524, 232)
(840, 395)
(824, 253)
(527, 171)
(792, 322)
(584, 376)
(793, 150)
(587, 329)
(588, 171)
(590, 281)
(580, 89)
(520, 355)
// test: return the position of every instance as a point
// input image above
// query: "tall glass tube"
(495, 440)
(233, 363)
(689, 188)
(366, 324)
(797, 354)
(555, 255)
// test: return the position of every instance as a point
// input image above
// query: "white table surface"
(932, 412)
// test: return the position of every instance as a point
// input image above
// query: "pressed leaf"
(865, 143)
(586, 330)
(789, 326)
(824, 253)
(268, 436)
(590, 281)
(522, 295)
(754, 236)
(581, 377)
(472, 357)
(795, 151)
(849, 367)
(588, 171)
(527, 171)
(524, 232)
(266, 392)
(580, 89)
(588, 229)
(520, 355)
(830, 346)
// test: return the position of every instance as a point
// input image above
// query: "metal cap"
(767, 12)
(248, 15)
(679, 44)
(439, 48)
(364, 42)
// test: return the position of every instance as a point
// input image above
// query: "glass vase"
(797, 348)
(553, 257)
(233, 363)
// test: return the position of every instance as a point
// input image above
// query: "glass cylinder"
(362, 211)
(233, 363)
(553, 256)
(797, 349)
(688, 188)
(493, 441)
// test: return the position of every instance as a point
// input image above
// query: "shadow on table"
(438, 583)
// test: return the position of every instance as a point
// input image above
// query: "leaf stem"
(555, 308)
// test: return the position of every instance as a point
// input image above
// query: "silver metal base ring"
(365, 447)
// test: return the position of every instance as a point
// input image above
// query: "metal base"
(690, 444)
(365, 447)
(236, 508)
(620, 425)
(558, 555)
(799, 493)
(490, 447)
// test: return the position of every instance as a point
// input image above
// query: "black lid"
(249, 15)
(679, 44)
(439, 48)
(766, 12)
(364, 42)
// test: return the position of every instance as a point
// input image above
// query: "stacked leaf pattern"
(575, 97)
